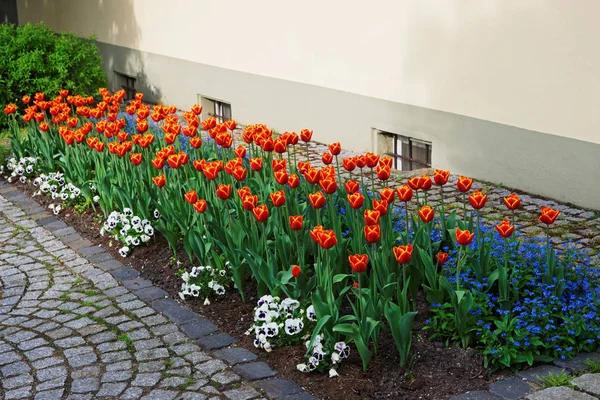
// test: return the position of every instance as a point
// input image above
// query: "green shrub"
(35, 59)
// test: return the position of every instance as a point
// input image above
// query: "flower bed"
(278, 227)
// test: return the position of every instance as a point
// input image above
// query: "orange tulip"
(278, 164)
(512, 202)
(303, 166)
(328, 185)
(317, 200)
(256, 164)
(464, 184)
(403, 254)
(43, 127)
(312, 176)
(349, 164)
(405, 193)
(196, 142)
(372, 217)
(387, 161)
(383, 172)
(281, 176)
(136, 158)
(293, 181)
(464, 238)
(327, 239)
(159, 180)
(388, 195)
(197, 109)
(10, 109)
(381, 206)
(231, 124)
(210, 170)
(360, 161)
(158, 163)
(189, 131)
(351, 186)
(505, 229)
(371, 160)
(477, 200)
(426, 214)
(548, 215)
(358, 262)
(261, 213)
(278, 198)
(356, 200)
(99, 146)
(327, 158)
(441, 258)
(440, 176)
(223, 191)
(26, 99)
(200, 206)
(268, 144)
(249, 202)
(243, 192)
(314, 233)
(296, 222)
(240, 152)
(239, 173)
(280, 145)
(191, 196)
(425, 182)
(306, 135)
(372, 233)
(335, 148)
(413, 183)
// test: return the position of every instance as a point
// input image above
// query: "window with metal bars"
(222, 111)
(127, 83)
(408, 153)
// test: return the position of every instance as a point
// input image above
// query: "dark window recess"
(408, 153)
(127, 83)
(222, 111)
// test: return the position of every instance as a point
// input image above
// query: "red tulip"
(43, 127)
(477, 200)
(312, 176)
(278, 198)
(327, 239)
(349, 164)
(371, 160)
(381, 206)
(317, 200)
(505, 229)
(403, 253)
(239, 173)
(303, 166)
(327, 158)
(388, 195)
(231, 124)
(464, 184)
(548, 215)
(405, 193)
(383, 172)
(360, 161)
(200, 205)
(243, 192)
(278, 164)
(281, 176)
(372, 233)
(196, 142)
(293, 181)
(425, 182)
(136, 158)
(10, 109)
(314, 233)
(426, 214)
(328, 185)
(296, 222)
(256, 164)
(280, 145)
(413, 183)
(249, 202)
(441, 176)
(351, 186)
(296, 271)
(159, 180)
(464, 238)
(512, 202)
(356, 200)
(335, 148)
(26, 99)
(441, 258)
(261, 213)
(191, 196)
(223, 191)
(372, 217)
(306, 135)
(358, 262)
(240, 152)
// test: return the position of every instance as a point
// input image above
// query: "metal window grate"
(408, 153)
(222, 111)
(127, 83)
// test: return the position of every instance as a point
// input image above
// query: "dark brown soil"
(438, 372)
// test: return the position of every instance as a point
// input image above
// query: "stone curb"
(203, 331)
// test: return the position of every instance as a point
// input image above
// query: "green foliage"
(593, 366)
(35, 59)
(561, 379)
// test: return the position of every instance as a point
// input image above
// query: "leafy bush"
(35, 59)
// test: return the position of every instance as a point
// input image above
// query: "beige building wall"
(506, 90)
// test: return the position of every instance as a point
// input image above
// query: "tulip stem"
(407, 221)
(458, 268)
(307, 156)
(465, 205)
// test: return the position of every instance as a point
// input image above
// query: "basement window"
(407, 153)
(127, 83)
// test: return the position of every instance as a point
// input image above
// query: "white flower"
(185, 276)
(290, 305)
(293, 326)
(136, 220)
(182, 296)
(156, 214)
(302, 367)
(310, 313)
(96, 198)
(261, 313)
(335, 358)
(149, 230)
(23, 179)
(206, 302)
(220, 290)
(123, 251)
(138, 228)
(128, 239)
(127, 212)
(333, 373)
(145, 238)
(272, 329)
(135, 242)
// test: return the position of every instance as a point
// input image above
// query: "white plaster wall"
(533, 64)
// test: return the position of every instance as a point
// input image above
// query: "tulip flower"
(405, 193)
(349, 164)
(381, 206)
(505, 229)
(372, 217)
(388, 195)
(240, 152)
(312, 176)
(223, 191)
(243, 192)
(306, 135)
(249, 202)
(314, 233)
(44, 127)
(278, 164)
(191, 196)
(261, 213)
(464, 184)
(26, 99)
(358, 262)
(327, 239)
(296, 222)
(327, 158)
(413, 183)
(317, 200)
(278, 198)
(361, 161)
(239, 173)
(335, 148)
(464, 238)
(293, 181)
(196, 142)
(351, 186)
(200, 206)
(548, 215)
(403, 254)
(426, 214)
(441, 258)
(356, 200)
(477, 200)
(383, 172)
(387, 161)
(512, 202)
(440, 176)
(296, 271)
(303, 166)
(136, 158)
(10, 109)
(159, 180)
(281, 176)
(328, 185)
(371, 160)
(372, 233)
(425, 182)
(256, 164)
(231, 124)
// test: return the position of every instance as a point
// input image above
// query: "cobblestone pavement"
(69, 329)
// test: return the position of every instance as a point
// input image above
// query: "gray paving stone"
(151, 293)
(137, 283)
(46, 362)
(534, 374)
(577, 363)
(160, 394)
(17, 381)
(21, 393)
(117, 376)
(254, 370)
(198, 328)
(51, 373)
(111, 389)
(242, 393)
(84, 385)
(70, 342)
(174, 311)
(146, 379)
(216, 341)
(124, 273)
(40, 352)
(476, 395)
(510, 388)
(132, 393)
(589, 383)
(235, 355)
(49, 394)
(559, 393)
(278, 387)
